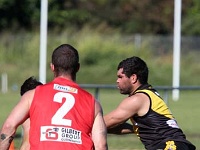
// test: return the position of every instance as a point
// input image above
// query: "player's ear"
(133, 78)
(78, 67)
(52, 67)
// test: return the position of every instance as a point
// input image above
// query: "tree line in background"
(127, 16)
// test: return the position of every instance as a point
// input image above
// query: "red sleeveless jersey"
(62, 116)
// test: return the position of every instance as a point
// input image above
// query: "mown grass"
(186, 111)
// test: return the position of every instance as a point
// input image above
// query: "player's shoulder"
(28, 94)
(137, 98)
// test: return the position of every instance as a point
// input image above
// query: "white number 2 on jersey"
(58, 118)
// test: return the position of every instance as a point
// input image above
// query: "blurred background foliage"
(104, 32)
(128, 16)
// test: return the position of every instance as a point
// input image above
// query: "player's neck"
(68, 77)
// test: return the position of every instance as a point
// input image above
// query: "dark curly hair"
(135, 65)
(29, 84)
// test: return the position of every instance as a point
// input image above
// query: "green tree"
(128, 16)
(19, 14)
(191, 21)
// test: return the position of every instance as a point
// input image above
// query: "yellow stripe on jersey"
(157, 103)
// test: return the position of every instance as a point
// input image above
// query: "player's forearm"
(7, 134)
(124, 128)
(110, 121)
(99, 136)
(5, 141)
(101, 142)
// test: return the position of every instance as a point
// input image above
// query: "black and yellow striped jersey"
(158, 124)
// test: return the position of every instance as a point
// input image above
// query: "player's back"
(62, 116)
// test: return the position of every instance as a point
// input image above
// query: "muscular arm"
(137, 104)
(99, 132)
(17, 116)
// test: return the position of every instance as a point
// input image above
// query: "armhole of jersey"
(149, 101)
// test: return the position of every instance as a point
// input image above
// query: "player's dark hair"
(135, 65)
(65, 59)
(29, 84)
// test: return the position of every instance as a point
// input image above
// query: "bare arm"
(25, 142)
(137, 104)
(99, 132)
(17, 116)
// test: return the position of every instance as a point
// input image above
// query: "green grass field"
(186, 111)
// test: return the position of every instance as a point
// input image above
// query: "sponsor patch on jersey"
(65, 88)
(172, 123)
(60, 134)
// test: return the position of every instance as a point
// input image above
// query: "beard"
(125, 91)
